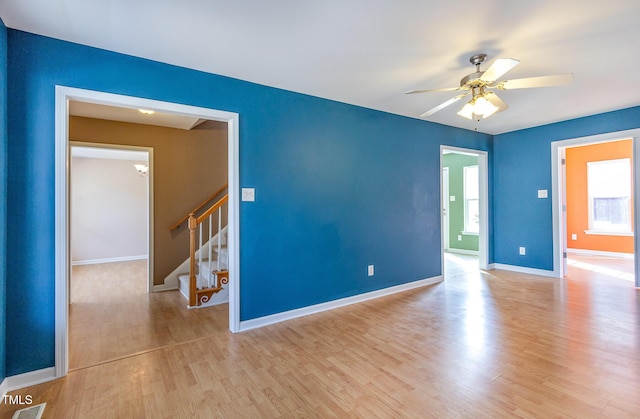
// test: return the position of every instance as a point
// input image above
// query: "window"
(471, 200)
(609, 191)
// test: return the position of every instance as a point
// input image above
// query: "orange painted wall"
(577, 201)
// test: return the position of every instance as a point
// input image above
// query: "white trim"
(590, 252)
(63, 95)
(462, 251)
(108, 260)
(446, 205)
(330, 305)
(28, 379)
(609, 233)
(483, 180)
(165, 287)
(4, 387)
(524, 270)
(557, 190)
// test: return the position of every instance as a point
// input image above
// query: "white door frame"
(62, 254)
(149, 197)
(558, 186)
(445, 208)
(483, 180)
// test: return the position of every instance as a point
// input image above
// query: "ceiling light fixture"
(479, 84)
(479, 107)
(143, 169)
(147, 111)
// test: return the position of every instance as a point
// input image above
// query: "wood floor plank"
(480, 344)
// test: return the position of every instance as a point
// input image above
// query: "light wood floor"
(479, 345)
(112, 316)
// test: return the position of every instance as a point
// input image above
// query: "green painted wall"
(456, 164)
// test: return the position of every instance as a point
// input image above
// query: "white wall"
(108, 211)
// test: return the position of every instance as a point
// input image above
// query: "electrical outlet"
(459, 237)
(574, 236)
(370, 270)
(523, 251)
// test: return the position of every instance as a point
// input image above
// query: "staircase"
(208, 256)
(202, 281)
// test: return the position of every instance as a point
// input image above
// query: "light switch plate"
(248, 194)
(543, 193)
(452, 198)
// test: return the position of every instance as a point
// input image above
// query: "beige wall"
(188, 166)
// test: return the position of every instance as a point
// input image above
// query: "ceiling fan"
(479, 84)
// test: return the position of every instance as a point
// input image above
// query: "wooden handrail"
(198, 208)
(213, 208)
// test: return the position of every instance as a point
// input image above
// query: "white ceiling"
(113, 113)
(369, 53)
(109, 153)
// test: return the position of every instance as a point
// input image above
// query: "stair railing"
(199, 207)
(211, 281)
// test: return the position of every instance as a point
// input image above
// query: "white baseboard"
(165, 287)
(462, 251)
(4, 387)
(525, 270)
(600, 253)
(28, 379)
(330, 305)
(108, 260)
(491, 267)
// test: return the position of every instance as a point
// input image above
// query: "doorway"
(110, 237)
(608, 226)
(464, 203)
(62, 156)
(111, 205)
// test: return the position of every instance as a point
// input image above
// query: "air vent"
(31, 412)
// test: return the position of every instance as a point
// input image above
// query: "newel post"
(192, 259)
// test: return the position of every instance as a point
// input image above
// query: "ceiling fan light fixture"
(483, 107)
(479, 84)
(467, 111)
(478, 107)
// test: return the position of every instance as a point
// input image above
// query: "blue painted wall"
(522, 165)
(3, 192)
(338, 187)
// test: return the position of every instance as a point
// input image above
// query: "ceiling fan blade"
(444, 105)
(496, 101)
(446, 89)
(541, 81)
(498, 69)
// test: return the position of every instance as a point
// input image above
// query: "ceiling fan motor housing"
(472, 80)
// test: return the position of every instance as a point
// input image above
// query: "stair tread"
(205, 290)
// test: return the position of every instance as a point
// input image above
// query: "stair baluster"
(202, 286)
